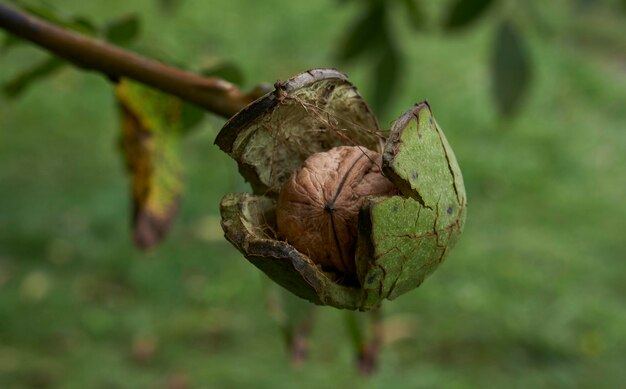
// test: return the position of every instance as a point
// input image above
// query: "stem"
(299, 338)
(366, 331)
(368, 358)
(296, 322)
(211, 93)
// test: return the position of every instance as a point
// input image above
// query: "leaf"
(84, 25)
(367, 33)
(415, 13)
(386, 76)
(44, 11)
(228, 71)
(50, 65)
(191, 116)
(10, 41)
(39, 71)
(510, 69)
(47, 12)
(585, 5)
(463, 13)
(169, 5)
(50, 14)
(123, 30)
(151, 129)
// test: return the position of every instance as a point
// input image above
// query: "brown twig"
(211, 93)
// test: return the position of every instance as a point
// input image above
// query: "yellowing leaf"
(151, 127)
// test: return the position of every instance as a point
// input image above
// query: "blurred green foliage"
(532, 296)
(372, 38)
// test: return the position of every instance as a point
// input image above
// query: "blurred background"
(531, 96)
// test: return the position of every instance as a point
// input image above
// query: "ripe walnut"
(318, 206)
(322, 221)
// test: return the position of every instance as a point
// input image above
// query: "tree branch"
(214, 94)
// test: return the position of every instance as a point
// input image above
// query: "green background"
(532, 296)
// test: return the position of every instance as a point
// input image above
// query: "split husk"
(401, 239)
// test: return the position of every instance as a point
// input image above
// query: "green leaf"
(123, 30)
(510, 69)
(169, 5)
(463, 13)
(44, 11)
(47, 12)
(386, 77)
(151, 130)
(10, 41)
(39, 71)
(366, 33)
(191, 116)
(228, 71)
(84, 25)
(415, 13)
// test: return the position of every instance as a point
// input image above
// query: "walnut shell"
(318, 207)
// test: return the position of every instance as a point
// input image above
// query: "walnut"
(318, 207)
(326, 225)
